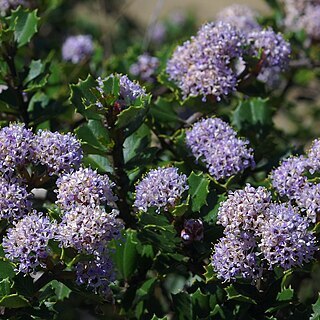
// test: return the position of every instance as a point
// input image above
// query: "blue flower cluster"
(258, 233)
(77, 48)
(291, 181)
(160, 188)
(145, 67)
(207, 63)
(216, 144)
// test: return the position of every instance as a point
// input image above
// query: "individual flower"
(216, 144)
(26, 243)
(130, 91)
(77, 48)
(15, 201)
(15, 147)
(234, 257)
(239, 16)
(84, 187)
(96, 274)
(244, 210)
(160, 188)
(273, 48)
(289, 179)
(192, 231)
(145, 67)
(285, 239)
(60, 153)
(88, 229)
(203, 65)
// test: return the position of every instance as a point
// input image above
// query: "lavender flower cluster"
(87, 225)
(303, 15)
(260, 233)
(130, 91)
(27, 242)
(206, 64)
(77, 48)
(145, 67)
(160, 188)
(291, 181)
(216, 144)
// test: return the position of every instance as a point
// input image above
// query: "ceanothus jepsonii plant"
(169, 176)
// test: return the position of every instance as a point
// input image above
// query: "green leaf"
(200, 303)
(24, 24)
(126, 254)
(198, 190)
(209, 274)
(316, 310)
(5, 285)
(14, 301)
(146, 288)
(83, 97)
(98, 162)
(95, 136)
(232, 294)
(130, 119)
(252, 113)
(181, 209)
(163, 112)
(6, 270)
(286, 294)
(211, 216)
(61, 290)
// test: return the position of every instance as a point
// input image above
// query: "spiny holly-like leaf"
(14, 301)
(5, 285)
(180, 210)
(252, 113)
(233, 294)
(182, 304)
(286, 294)
(61, 290)
(198, 190)
(25, 25)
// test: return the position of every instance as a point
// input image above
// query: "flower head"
(216, 143)
(88, 230)
(202, 66)
(84, 187)
(244, 209)
(15, 147)
(145, 67)
(160, 188)
(240, 16)
(26, 244)
(288, 179)
(192, 231)
(60, 153)
(285, 239)
(77, 48)
(234, 257)
(15, 201)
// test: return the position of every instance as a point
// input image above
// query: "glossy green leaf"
(285, 295)
(198, 190)
(252, 113)
(126, 254)
(25, 25)
(232, 294)
(5, 285)
(98, 162)
(61, 290)
(14, 301)
(182, 305)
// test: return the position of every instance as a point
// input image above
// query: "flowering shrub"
(168, 173)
